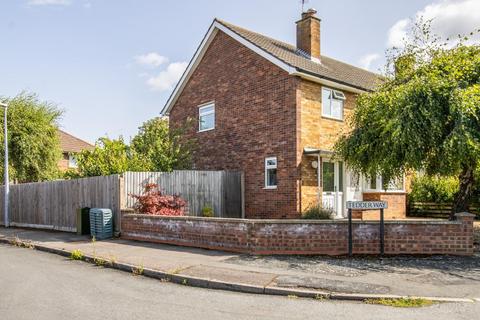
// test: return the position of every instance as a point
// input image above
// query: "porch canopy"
(317, 152)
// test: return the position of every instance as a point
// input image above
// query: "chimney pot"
(308, 34)
(309, 13)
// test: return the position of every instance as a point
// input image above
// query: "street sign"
(366, 205)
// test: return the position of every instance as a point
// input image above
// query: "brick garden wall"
(302, 237)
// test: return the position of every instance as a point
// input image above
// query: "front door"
(332, 186)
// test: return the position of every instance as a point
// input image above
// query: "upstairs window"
(332, 103)
(206, 117)
(271, 173)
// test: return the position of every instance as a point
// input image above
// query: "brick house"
(274, 111)
(69, 146)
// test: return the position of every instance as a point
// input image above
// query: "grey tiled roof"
(328, 68)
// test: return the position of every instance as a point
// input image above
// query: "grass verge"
(401, 302)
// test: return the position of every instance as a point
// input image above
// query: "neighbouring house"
(274, 111)
(69, 146)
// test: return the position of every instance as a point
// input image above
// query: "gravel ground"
(450, 266)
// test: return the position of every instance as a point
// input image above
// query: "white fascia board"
(212, 31)
(327, 83)
(197, 57)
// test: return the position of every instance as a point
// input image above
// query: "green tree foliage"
(425, 116)
(161, 148)
(33, 142)
(108, 157)
(433, 189)
(154, 148)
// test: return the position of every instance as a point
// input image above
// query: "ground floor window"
(377, 183)
(271, 172)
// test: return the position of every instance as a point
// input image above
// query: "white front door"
(332, 185)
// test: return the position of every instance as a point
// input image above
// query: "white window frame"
(379, 185)
(337, 95)
(268, 167)
(206, 113)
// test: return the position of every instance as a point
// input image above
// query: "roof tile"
(69, 143)
(328, 68)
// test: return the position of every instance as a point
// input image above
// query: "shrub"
(433, 189)
(207, 212)
(152, 201)
(76, 255)
(317, 212)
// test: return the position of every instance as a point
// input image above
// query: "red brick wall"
(255, 118)
(302, 237)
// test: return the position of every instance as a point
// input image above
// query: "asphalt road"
(38, 285)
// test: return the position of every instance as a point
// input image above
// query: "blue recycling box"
(101, 223)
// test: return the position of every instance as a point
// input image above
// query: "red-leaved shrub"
(152, 201)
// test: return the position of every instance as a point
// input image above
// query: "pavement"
(38, 285)
(436, 277)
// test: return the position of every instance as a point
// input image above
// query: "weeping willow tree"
(424, 116)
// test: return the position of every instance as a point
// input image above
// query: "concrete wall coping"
(288, 221)
(464, 214)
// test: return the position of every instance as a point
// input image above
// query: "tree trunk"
(461, 203)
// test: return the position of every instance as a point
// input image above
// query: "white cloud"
(49, 2)
(367, 60)
(449, 18)
(398, 33)
(151, 59)
(167, 78)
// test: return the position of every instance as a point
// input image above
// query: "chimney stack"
(308, 34)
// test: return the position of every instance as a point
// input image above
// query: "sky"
(111, 64)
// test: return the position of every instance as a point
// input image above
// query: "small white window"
(338, 95)
(332, 103)
(206, 117)
(271, 173)
(72, 162)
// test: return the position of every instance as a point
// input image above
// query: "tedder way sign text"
(366, 205)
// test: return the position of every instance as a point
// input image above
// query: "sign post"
(366, 205)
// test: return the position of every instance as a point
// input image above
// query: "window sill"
(332, 118)
(205, 130)
(270, 188)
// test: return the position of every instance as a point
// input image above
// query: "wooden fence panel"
(219, 189)
(436, 210)
(53, 204)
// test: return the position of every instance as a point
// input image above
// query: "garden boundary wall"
(320, 237)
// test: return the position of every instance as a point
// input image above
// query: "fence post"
(120, 205)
